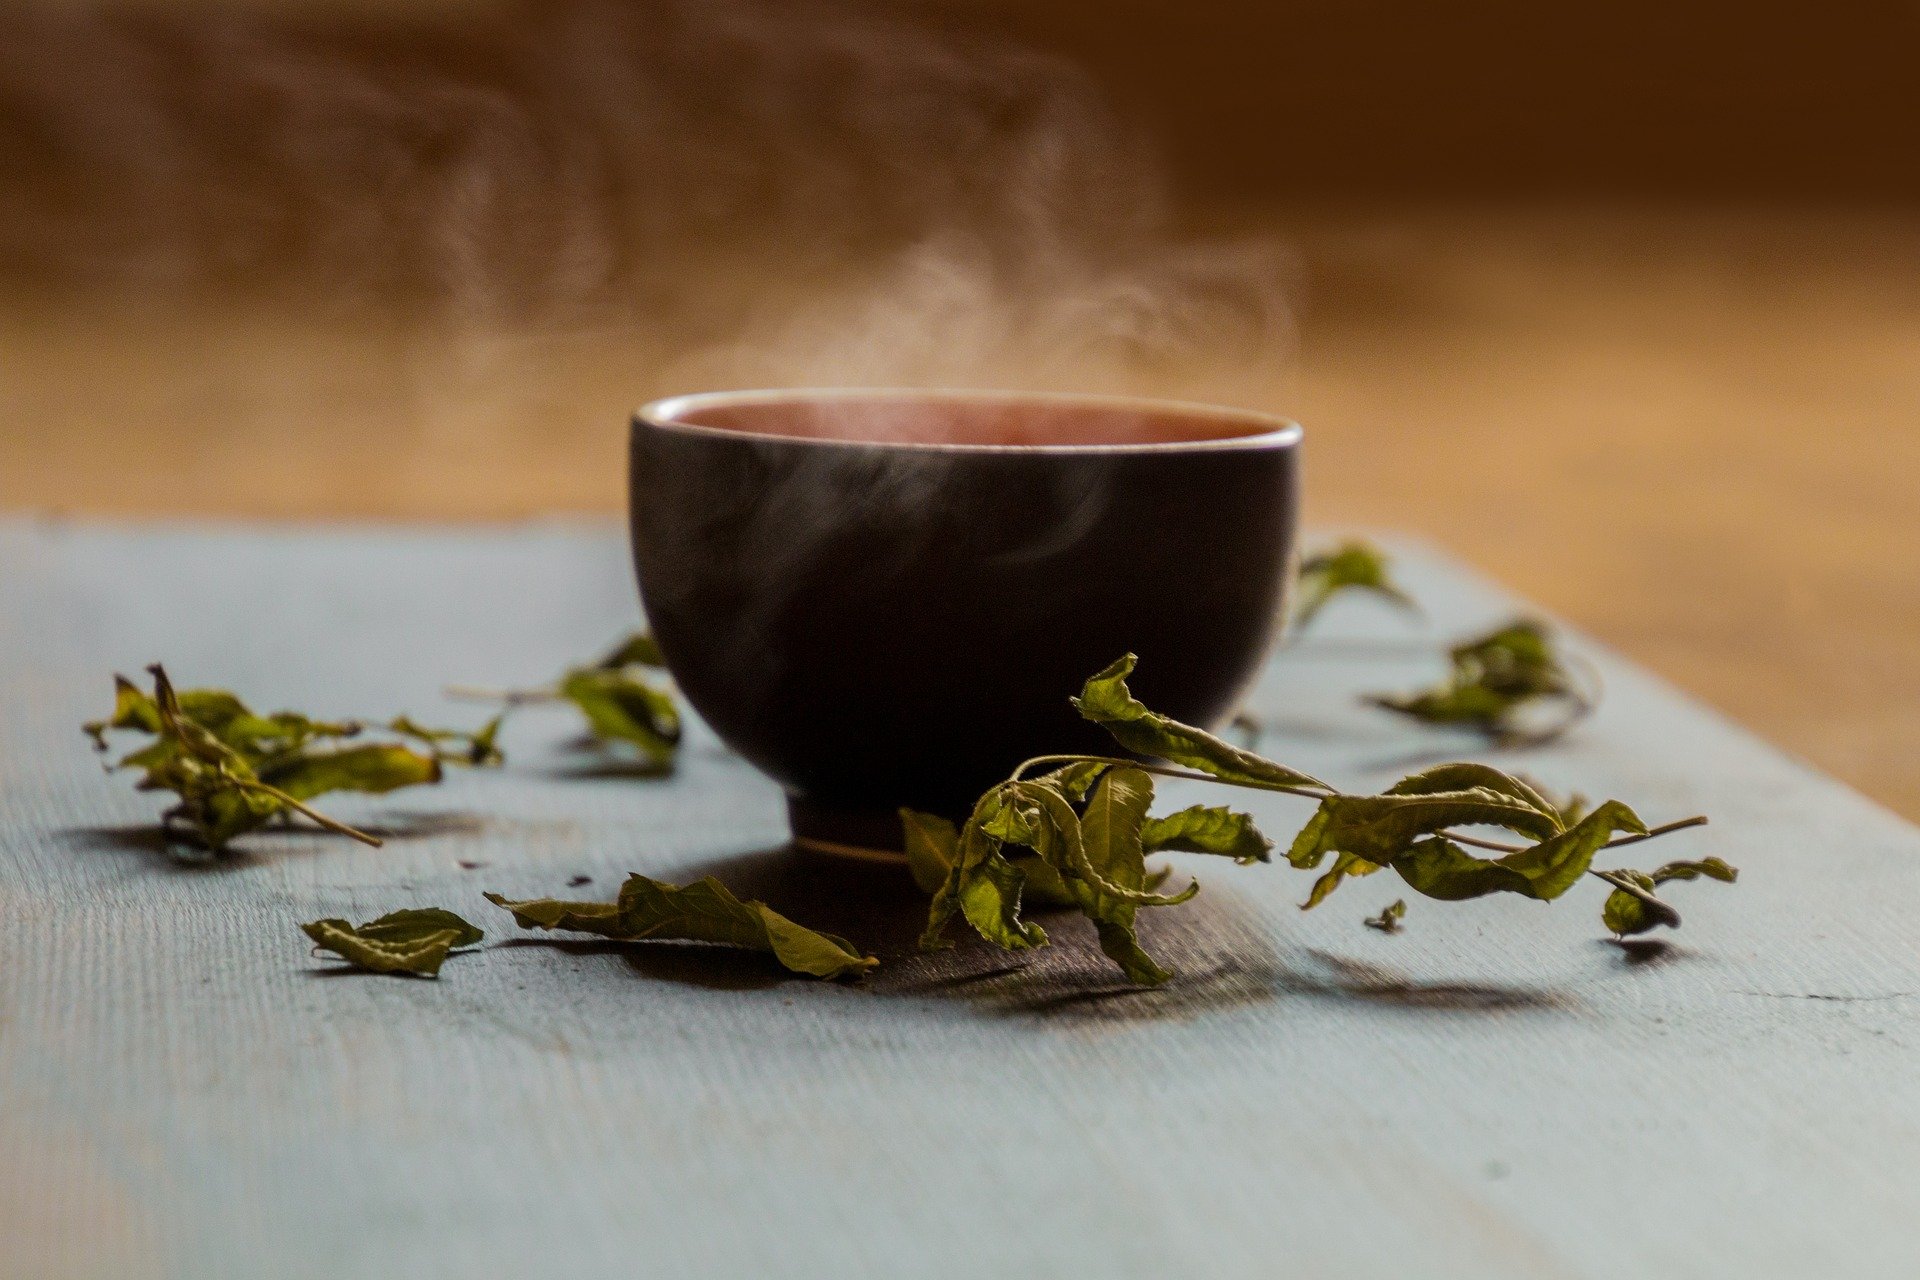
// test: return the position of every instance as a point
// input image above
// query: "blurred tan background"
(1622, 305)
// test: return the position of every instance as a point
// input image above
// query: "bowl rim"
(660, 415)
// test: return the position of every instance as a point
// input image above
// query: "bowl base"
(860, 835)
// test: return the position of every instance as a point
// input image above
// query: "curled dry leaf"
(415, 941)
(1495, 684)
(1354, 566)
(705, 911)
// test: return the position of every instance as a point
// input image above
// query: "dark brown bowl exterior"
(880, 625)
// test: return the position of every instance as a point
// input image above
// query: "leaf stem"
(512, 697)
(1166, 771)
(331, 824)
(1500, 846)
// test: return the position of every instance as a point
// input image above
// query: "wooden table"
(1498, 1091)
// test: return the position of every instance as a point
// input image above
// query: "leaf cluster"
(233, 770)
(1080, 834)
(1494, 682)
(705, 911)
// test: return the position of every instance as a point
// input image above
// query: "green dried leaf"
(1212, 829)
(1627, 913)
(1439, 868)
(637, 650)
(374, 767)
(1061, 841)
(1351, 566)
(705, 911)
(1465, 775)
(620, 707)
(1108, 702)
(1110, 839)
(1075, 780)
(990, 901)
(975, 846)
(1494, 679)
(932, 846)
(1046, 888)
(1380, 828)
(1344, 865)
(415, 941)
(1710, 868)
(1388, 921)
(479, 748)
(602, 918)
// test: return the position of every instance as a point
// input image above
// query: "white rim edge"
(662, 415)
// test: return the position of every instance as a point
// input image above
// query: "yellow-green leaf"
(637, 650)
(932, 846)
(1493, 678)
(705, 911)
(1213, 829)
(602, 918)
(1439, 868)
(1351, 566)
(622, 708)
(1380, 828)
(1107, 702)
(1626, 913)
(414, 941)
(1110, 838)
(375, 767)
(1388, 921)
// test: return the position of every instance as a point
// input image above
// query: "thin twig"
(331, 824)
(1166, 772)
(512, 697)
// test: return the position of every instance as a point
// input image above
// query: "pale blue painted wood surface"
(1496, 1092)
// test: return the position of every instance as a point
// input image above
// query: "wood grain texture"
(1496, 1092)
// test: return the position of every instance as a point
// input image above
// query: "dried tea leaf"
(1351, 566)
(1212, 829)
(416, 922)
(415, 941)
(1110, 838)
(932, 845)
(375, 768)
(1628, 913)
(705, 911)
(1494, 679)
(1388, 921)
(1075, 780)
(1381, 827)
(602, 918)
(1093, 861)
(479, 748)
(620, 707)
(1108, 702)
(990, 901)
(1439, 868)
(637, 650)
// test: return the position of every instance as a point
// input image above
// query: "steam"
(715, 192)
